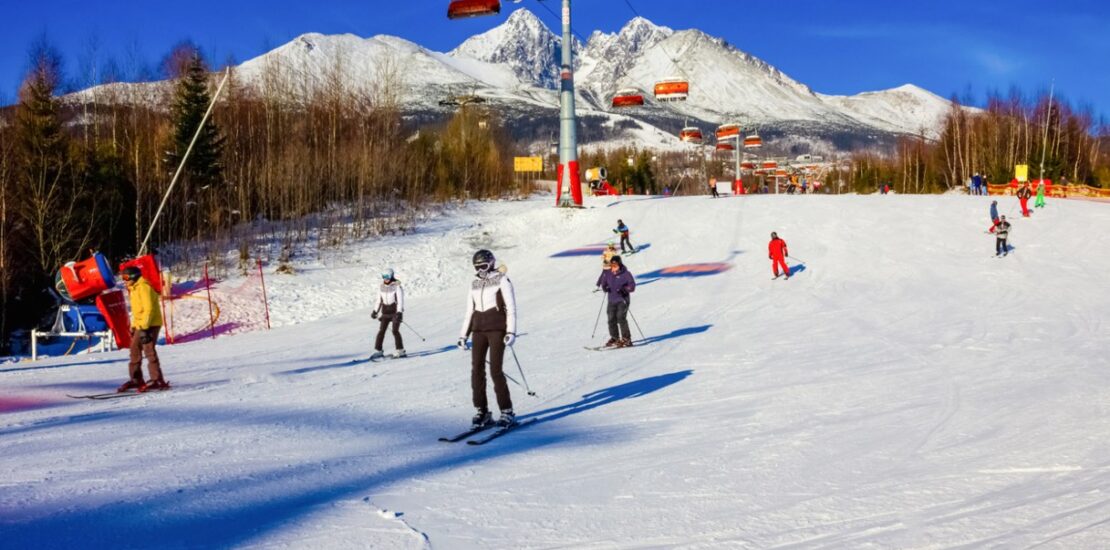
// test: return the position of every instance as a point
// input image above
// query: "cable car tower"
(569, 188)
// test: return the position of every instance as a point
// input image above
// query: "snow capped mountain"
(905, 108)
(515, 67)
(523, 44)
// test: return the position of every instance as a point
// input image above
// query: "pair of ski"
(112, 395)
(489, 437)
(607, 348)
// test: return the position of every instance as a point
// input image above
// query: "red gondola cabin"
(753, 141)
(672, 89)
(728, 131)
(690, 135)
(628, 98)
(473, 8)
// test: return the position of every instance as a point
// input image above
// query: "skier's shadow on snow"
(64, 365)
(796, 269)
(628, 390)
(677, 333)
(362, 360)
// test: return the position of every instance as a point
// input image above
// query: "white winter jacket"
(391, 298)
(490, 305)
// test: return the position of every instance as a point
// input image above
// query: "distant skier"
(1002, 232)
(146, 321)
(777, 253)
(491, 321)
(977, 184)
(607, 256)
(994, 216)
(390, 311)
(1040, 196)
(1023, 195)
(623, 231)
(713, 188)
(619, 284)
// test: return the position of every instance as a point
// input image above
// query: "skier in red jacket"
(777, 252)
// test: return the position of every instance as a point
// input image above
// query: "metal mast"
(569, 184)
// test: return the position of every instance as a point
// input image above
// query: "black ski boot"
(481, 419)
(508, 418)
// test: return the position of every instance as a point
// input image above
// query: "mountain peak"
(523, 43)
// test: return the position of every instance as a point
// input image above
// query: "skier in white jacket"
(391, 309)
(491, 322)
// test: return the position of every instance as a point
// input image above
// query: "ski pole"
(637, 325)
(414, 331)
(796, 259)
(522, 377)
(598, 321)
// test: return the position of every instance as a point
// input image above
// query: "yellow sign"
(1021, 172)
(528, 164)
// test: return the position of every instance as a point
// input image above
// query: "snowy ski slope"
(904, 390)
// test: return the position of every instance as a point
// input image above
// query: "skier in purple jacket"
(619, 284)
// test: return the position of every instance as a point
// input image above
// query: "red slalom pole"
(265, 300)
(208, 289)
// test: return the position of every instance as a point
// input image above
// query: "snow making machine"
(90, 305)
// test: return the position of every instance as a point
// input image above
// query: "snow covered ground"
(904, 390)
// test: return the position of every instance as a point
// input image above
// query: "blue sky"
(840, 47)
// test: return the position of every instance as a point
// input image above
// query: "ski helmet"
(774, 235)
(130, 273)
(388, 274)
(484, 261)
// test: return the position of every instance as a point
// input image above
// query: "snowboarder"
(619, 284)
(777, 252)
(713, 188)
(491, 320)
(994, 216)
(146, 321)
(1002, 232)
(390, 311)
(1024, 194)
(607, 256)
(623, 231)
(1040, 196)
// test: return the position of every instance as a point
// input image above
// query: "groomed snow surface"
(906, 389)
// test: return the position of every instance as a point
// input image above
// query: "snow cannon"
(77, 281)
(148, 266)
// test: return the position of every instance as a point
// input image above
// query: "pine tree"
(191, 99)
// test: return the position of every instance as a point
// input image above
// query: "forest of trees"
(284, 160)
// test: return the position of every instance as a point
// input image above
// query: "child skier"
(1040, 196)
(624, 231)
(1002, 232)
(491, 320)
(607, 256)
(1024, 194)
(146, 321)
(619, 284)
(777, 253)
(391, 309)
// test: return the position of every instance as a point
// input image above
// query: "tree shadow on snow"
(64, 365)
(593, 400)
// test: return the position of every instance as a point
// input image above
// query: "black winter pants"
(999, 246)
(387, 320)
(624, 240)
(494, 343)
(618, 319)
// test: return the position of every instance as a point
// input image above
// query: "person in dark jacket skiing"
(1023, 195)
(713, 188)
(777, 253)
(624, 232)
(1002, 232)
(390, 311)
(619, 284)
(491, 320)
(994, 216)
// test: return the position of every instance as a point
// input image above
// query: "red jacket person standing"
(777, 252)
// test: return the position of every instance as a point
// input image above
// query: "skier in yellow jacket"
(146, 322)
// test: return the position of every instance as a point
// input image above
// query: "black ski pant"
(715, 193)
(387, 320)
(618, 319)
(624, 240)
(494, 343)
(1000, 245)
